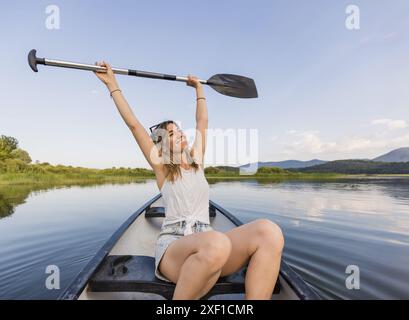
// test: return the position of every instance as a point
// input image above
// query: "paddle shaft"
(128, 72)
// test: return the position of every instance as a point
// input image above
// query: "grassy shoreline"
(56, 178)
(72, 178)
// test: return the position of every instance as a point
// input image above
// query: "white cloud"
(380, 37)
(309, 144)
(391, 124)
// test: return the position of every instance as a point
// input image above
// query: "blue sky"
(324, 91)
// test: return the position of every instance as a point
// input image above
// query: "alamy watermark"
(226, 147)
(353, 281)
(53, 19)
(52, 282)
(352, 21)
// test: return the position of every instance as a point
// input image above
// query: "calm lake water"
(327, 226)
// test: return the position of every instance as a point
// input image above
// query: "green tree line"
(12, 158)
(16, 160)
(358, 167)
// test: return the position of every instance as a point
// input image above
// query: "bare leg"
(258, 243)
(195, 284)
(194, 263)
(262, 273)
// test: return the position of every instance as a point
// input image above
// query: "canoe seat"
(159, 212)
(137, 274)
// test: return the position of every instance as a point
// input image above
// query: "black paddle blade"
(233, 85)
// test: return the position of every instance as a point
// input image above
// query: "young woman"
(188, 251)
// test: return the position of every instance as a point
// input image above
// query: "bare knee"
(269, 234)
(214, 250)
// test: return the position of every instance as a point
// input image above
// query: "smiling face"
(177, 138)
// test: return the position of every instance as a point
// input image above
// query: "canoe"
(123, 268)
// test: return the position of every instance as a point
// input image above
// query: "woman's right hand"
(108, 77)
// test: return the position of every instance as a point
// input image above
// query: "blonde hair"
(160, 138)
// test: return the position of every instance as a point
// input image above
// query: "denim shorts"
(168, 234)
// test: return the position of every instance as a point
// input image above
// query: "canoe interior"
(139, 239)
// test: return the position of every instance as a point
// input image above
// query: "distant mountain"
(397, 155)
(358, 167)
(395, 161)
(288, 164)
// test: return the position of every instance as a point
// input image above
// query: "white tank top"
(187, 198)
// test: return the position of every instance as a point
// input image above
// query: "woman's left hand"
(193, 81)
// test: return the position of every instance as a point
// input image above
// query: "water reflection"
(12, 196)
(330, 225)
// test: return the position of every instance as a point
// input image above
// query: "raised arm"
(199, 145)
(141, 136)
